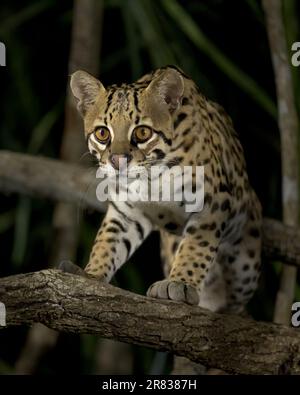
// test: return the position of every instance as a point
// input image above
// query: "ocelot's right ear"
(167, 87)
(86, 89)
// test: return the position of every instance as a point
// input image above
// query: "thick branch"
(74, 304)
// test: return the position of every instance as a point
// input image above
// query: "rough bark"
(289, 128)
(75, 304)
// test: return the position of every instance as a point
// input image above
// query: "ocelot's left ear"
(169, 87)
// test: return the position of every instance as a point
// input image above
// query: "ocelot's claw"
(70, 267)
(174, 290)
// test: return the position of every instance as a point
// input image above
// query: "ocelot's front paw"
(174, 290)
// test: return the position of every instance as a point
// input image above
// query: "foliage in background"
(222, 45)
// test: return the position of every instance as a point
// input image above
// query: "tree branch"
(281, 242)
(75, 304)
(48, 178)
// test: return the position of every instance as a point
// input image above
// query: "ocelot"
(211, 257)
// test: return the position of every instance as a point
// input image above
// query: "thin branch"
(281, 242)
(69, 303)
(289, 128)
(48, 178)
(56, 180)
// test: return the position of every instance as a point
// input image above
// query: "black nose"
(118, 160)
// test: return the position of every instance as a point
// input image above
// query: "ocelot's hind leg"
(242, 267)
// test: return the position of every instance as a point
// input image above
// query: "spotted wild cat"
(211, 257)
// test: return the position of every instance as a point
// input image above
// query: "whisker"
(84, 155)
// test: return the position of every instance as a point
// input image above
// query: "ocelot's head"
(131, 123)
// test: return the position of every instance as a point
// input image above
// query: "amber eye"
(102, 134)
(141, 134)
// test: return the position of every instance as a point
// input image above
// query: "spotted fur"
(212, 257)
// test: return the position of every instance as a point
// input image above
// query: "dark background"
(138, 35)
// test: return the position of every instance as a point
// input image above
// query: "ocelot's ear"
(169, 86)
(86, 89)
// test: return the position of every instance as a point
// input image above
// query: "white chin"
(107, 169)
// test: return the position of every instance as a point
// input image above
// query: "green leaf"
(22, 223)
(7, 220)
(239, 77)
(157, 46)
(133, 42)
(43, 128)
(25, 15)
